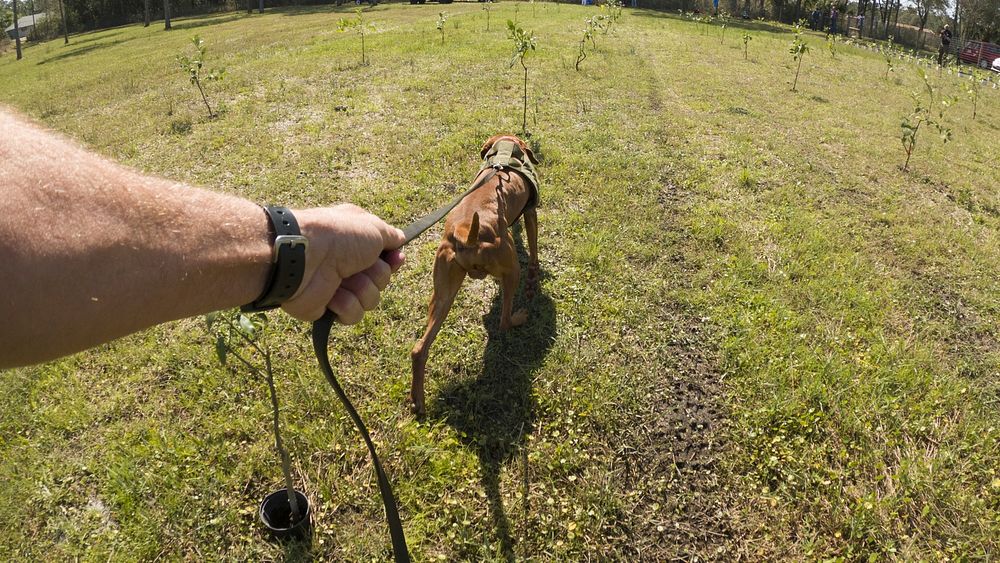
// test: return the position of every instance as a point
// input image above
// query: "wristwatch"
(288, 261)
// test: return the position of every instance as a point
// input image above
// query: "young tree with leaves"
(358, 24)
(798, 49)
(442, 18)
(193, 67)
(929, 113)
(524, 41)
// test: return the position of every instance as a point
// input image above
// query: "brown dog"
(477, 242)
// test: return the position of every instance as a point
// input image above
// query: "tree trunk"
(871, 20)
(166, 15)
(62, 12)
(145, 17)
(17, 33)
(260, 7)
(923, 23)
(895, 20)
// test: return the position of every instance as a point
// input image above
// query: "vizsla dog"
(477, 242)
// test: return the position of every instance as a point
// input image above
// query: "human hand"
(344, 270)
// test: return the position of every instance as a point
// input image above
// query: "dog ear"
(473, 237)
(488, 145)
(526, 150)
(531, 155)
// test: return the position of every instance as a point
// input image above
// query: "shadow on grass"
(83, 51)
(344, 8)
(495, 412)
(298, 550)
(204, 21)
(732, 22)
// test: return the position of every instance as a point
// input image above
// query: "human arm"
(91, 250)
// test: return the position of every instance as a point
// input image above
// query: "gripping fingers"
(346, 306)
(360, 293)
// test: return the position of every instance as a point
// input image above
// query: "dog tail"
(473, 238)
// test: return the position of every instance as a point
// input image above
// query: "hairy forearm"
(90, 250)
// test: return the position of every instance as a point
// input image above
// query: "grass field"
(757, 337)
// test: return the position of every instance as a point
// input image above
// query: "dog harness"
(507, 155)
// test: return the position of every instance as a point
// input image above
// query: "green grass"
(757, 337)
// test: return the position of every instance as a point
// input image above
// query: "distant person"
(945, 44)
(814, 19)
(834, 16)
(861, 25)
(91, 250)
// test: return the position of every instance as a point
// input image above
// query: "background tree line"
(970, 19)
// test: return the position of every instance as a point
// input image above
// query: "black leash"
(321, 338)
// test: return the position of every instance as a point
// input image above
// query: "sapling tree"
(524, 41)
(977, 77)
(442, 18)
(611, 11)
(600, 22)
(889, 52)
(927, 111)
(588, 33)
(831, 45)
(798, 49)
(193, 66)
(746, 43)
(358, 24)
(244, 337)
(487, 7)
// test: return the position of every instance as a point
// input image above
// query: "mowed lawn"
(757, 337)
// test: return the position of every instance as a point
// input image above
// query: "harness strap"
(321, 338)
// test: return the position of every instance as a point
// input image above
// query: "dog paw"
(416, 408)
(519, 318)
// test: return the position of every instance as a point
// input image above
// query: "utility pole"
(17, 32)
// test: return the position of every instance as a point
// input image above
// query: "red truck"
(979, 53)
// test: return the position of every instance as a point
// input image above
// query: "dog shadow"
(495, 412)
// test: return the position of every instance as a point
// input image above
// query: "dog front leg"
(509, 282)
(448, 278)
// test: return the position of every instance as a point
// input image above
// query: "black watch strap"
(288, 262)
